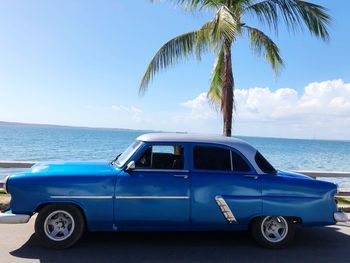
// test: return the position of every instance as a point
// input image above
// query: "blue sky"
(80, 63)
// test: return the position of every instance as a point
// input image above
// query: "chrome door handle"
(253, 176)
(184, 176)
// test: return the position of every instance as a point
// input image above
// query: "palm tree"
(222, 31)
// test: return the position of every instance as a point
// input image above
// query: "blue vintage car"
(171, 182)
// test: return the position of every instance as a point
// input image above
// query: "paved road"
(324, 244)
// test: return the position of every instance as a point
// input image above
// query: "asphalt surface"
(318, 244)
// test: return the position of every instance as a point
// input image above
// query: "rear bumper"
(9, 218)
(340, 217)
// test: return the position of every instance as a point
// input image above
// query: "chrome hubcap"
(59, 225)
(274, 228)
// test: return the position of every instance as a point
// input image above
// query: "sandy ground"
(322, 244)
(4, 201)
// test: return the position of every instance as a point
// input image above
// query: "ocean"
(57, 143)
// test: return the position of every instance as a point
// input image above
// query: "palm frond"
(204, 38)
(315, 18)
(225, 27)
(188, 4)
(266, 12)
(264, 46)
(214, 93)
(236, 6)
(295, 13)
(179, 48)
(193, 4)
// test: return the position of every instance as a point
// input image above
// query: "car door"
(155, 193)
(226, 190)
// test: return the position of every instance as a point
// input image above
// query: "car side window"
(211, 158)
(219, 159)
(239, 164)
(162, 157)
(263, 164)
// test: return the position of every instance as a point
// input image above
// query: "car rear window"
(263, 164)
(211, 158)
(217, 158)
(238, 163)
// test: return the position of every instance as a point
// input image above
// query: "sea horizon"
(155, 130)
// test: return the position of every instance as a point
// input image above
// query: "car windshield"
(124, 157)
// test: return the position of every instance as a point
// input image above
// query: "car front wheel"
(59, 226)
(273, 231)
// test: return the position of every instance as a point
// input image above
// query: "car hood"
(73, 168)
(290, 174)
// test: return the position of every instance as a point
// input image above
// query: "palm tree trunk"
(227, 92)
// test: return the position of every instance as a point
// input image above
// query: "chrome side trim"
(253, 176)
(13, 218)
(184, 176)
(151, 197)
(225, 210)
(340, 217)
(118, 197)
(81, 196)
(161, 170)
(5, 184)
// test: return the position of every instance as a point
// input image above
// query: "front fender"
(93, 194)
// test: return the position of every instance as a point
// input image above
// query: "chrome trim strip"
(254, 176)
(13, 218)
(151, 197)
(225, 210)
(5, 184)
(82, 196)
(160, 170)
(340, 217)
(184, 176)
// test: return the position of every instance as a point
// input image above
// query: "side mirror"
(131, 166)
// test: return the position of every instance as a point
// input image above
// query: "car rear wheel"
(273, 231)
(59, 226)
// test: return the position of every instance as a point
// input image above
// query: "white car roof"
(246, 149)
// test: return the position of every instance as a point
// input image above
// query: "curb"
(345, 209)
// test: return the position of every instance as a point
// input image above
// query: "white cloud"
(329, 99)
(321, 110)
(197, 103)
(199, 107)
(264, 104)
